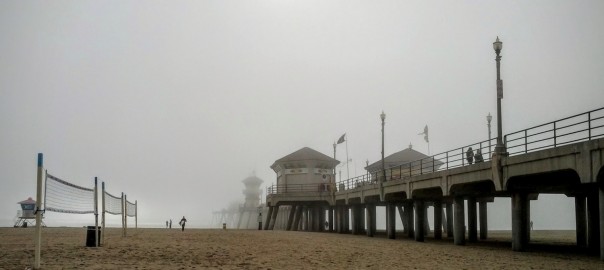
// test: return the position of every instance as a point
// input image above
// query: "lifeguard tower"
(305, 191)
(27, 215)
(249, 211)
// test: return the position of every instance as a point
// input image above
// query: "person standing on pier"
(478, 156)
(470, 155)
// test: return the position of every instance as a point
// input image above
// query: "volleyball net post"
(123, 216)
(103, 214)
(38, 234)
(96, 213)
(126, 215)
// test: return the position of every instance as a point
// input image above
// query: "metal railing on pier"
(576, 128)
(297, 188)
(581, 127)
(443, 161)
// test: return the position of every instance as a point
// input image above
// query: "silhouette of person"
(166, 224)
(182, 222)
(469, 155)
(478, 156)
(531, 225)
(170, 223)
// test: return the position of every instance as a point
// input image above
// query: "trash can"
(90, 240)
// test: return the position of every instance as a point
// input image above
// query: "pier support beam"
(419, 220)
(290, 218)
(482, 213)
(449, 212)
(357, 219)
(401, 213)
(330, 214)
(601, 217)
(371, 220)
(409, 215)
(297, 216)
(274, 217)
(338, 218)
(320, 218)
(391, 221)
(593, 221)
(426, 221)
(438, 222)
(520, 205)
(460, 229)
(307, 218)
(581, 220)
(268, 217)
(346, 221)
(472, 221)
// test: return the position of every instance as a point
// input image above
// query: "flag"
(342, 139)
(425, 133)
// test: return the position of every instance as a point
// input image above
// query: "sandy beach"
(64, 248)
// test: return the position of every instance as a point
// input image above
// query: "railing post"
(480, 147)
(525, 141)
(554, 134)
(589, 126)
(421, 166)
(447, 159)
(433, 164)
(463, 163)
(410, 168)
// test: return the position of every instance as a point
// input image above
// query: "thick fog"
(175, 103)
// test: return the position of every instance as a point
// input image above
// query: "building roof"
(305, 154)
(400, 157)
(28, 201)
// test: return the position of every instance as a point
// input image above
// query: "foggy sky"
(174, 103)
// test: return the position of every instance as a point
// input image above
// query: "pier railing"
(581, 127)
(298, 188)
(576, 128)
(459, 157)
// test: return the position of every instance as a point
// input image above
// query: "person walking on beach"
(170, 223)
(182, 222)
(166, 224)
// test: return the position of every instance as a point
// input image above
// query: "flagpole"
(334, 157)
(347, 161)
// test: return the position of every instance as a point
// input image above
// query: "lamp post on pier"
(499, 147)
(489, 118)
(383, 117)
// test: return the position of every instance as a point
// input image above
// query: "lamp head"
(489, 118)
(497, 45)
(383, 116)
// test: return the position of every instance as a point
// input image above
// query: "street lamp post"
(499, 147)
(383, 117)
(489, 118)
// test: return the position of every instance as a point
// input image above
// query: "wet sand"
(64, 248)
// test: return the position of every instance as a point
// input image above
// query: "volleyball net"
(57, 195)
(112, 204)
(64, 197)
(118, 206)
(130, 209)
